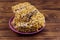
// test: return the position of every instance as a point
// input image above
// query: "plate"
(12, 28)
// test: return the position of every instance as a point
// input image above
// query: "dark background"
(51, 10)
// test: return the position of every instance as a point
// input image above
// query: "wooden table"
(51, 10)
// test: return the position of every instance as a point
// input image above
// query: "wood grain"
(7, 33)
(41, 4)
(51, 11)
(32, 38)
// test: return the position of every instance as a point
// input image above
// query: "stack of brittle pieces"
(27, 18)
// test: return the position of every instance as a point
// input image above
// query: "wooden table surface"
(51, 10)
